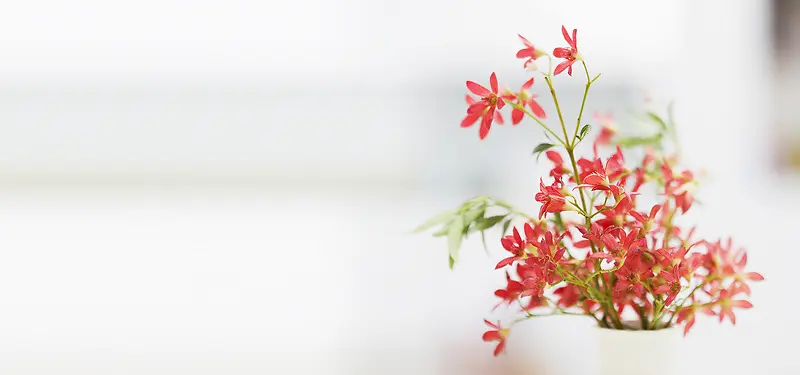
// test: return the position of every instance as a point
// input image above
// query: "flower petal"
(500, 347)
(566, 35)
(498, 118)
(516, 116)
(581, 244)
(486, 124)
(526, 53)
(601, 255)
(477, 89)
(561, 52)
(538, 111)
(755, 276)
(574, 43)
(517, 237)
(561, 67)
(491, 336)
(555, 157)
(527, 84)
(493, 82)
(470, 120)
(525, 41)
(478, 107)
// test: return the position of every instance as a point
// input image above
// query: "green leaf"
(454, 237)
(483, 240)
(640, 141)
(452, 261)
(441, 233)
(542, 147)
(441, 218)
(505, 226)
(488, 222)
(473, 215)
(657, 120)
(584, 131)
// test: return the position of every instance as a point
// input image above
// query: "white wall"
(226, 187)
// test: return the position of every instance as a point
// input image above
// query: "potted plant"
(608, 241)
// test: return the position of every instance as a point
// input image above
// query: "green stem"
(583, 102)
(570, 147)
(642, 316)
(558, 109)
(680, 306)
(657, 314)
(529, 316)
(547, 128)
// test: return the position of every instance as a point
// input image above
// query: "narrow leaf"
(542, 147)
(505, 226)
(488, 222)
(639, 141)
(584, 131)
(441, 218)
(473, 215)
(483, 240)
(657, 120)
(443, 232)
(452, 261)
(454, 237)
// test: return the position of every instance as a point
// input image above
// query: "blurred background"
(209, 187)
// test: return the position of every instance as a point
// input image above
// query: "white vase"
(629, 352)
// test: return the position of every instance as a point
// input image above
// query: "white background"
(226, 187)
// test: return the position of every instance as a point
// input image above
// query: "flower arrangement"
(607, 242)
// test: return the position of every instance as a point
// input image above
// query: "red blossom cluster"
(597, 247)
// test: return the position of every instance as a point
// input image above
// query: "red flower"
(619, 244)
(485, 108)
(570, 54)
(631, 275)
(594, 236)
(724, 261)
(678, 186)
(534, 302)
(498, 117)
(511, 293)
(497, 333)
(607, 130)
(727, 303)
(617, 216)
(672, 286)
(524, 98)
(559, 169)
(534, 279)
(646, 222)
(641, 172)
(549, 248)
(529, 52)
(568, 295)
(516, 246)
(687, 315)
(600, 177)
(551, 198)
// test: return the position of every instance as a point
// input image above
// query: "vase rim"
(634, 329)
